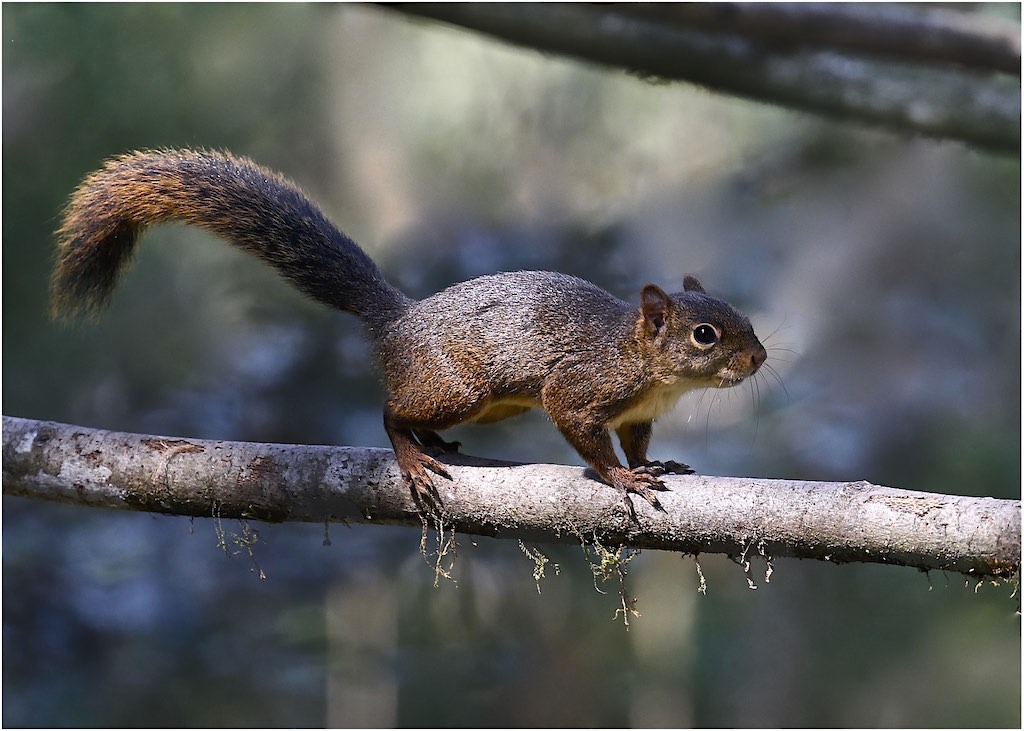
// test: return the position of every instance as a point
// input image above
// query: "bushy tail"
(234, 198)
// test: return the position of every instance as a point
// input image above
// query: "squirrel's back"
(232, 197)
(496, 313)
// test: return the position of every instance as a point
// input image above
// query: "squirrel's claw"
(647, 493)
(415, 464)
(424, 492)
(640, 482)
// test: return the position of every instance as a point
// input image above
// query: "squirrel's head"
(692, 336)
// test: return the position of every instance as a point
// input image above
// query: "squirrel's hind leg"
(414, 463)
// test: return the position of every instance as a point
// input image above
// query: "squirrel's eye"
(705, 335)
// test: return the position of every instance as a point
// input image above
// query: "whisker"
(696, 412)
(775, 332)
(774, 350)
(778, 379)
(755, 400)
(716, 396)
(696, 408)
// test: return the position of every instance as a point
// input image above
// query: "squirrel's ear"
(654, 304)
(692, 284)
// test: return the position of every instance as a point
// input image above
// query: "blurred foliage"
(883, 274)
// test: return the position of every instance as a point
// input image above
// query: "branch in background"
(742, 518)
(980, 108)
(913, 34)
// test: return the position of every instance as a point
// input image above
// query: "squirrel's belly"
(654, 403)
(503, 408)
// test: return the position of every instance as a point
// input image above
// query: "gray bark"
(740, 517)
(920, 34)
(931, 72)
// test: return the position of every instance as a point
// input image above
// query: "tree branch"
(740, 517)
(828, 77)
(923, 34)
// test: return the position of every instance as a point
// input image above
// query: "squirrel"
(479, 351)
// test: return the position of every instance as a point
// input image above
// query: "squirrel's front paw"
(638, 482)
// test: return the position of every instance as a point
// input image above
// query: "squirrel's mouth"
(731, 375)
(728, 381)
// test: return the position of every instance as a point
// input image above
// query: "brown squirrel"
(479, 351)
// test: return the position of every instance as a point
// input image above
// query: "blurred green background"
(883, 274)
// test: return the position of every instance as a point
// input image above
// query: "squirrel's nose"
(759, 356)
